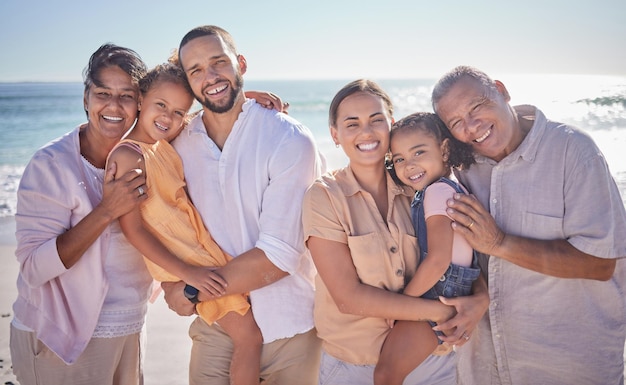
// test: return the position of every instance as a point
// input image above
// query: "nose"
(410, 163)
(210, 75)
(472, 125)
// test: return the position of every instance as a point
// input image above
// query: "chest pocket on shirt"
(369, 257)
(541, 226)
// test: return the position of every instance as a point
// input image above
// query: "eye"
(180, 113)
(398, 160)
(160, 104)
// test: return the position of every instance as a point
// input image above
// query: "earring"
(336, 145)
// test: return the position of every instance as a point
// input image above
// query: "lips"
(112, 118)
(368, 146)
(216, 90)
(160, 127)
(483, 136)
(416, 177)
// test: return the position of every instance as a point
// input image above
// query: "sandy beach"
(168, 345)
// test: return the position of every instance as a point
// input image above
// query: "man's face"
(214, 72)
(481, 117)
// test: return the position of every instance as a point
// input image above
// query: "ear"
(243, 64)
(445, 150)
(85, 104)
(502, 90)
(333, 134)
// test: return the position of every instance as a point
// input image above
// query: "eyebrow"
(196, 65)
(410, 149)
(356, 117)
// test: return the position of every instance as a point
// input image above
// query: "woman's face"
(362, 128)
(112, 106)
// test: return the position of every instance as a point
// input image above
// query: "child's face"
(163, 110)
(362, 128)
(418, 158)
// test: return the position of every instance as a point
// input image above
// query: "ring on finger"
(140, 190)
(470, 225)
(466, 336)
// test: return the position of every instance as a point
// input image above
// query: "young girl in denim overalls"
(422, 156)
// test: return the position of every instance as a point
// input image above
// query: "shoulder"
(331, 183)
(438, 192)
(277, 124)
(126, 156)
(66, 145)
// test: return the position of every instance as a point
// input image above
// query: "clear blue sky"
(52, 40)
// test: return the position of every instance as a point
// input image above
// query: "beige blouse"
(336, 208)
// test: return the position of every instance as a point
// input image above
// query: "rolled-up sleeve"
(292, 170)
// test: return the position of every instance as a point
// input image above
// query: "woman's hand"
(121, 195)
(470, 309)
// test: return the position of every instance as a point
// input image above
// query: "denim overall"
(457, 280)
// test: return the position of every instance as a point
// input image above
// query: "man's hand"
(176, 300)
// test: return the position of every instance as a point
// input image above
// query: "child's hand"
(206, 280)
(390, 323)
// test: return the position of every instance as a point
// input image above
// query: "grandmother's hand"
(121, 195)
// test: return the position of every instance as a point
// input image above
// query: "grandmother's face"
(112, 105)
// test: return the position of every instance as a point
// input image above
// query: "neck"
(219, 126)
(372, 178)
(95, 150)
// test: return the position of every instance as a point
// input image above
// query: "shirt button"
(494, 200)
(399, 272)
(393, 249)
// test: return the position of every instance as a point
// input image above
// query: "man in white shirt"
(247, 168)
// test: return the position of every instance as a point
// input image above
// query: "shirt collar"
(197, 125)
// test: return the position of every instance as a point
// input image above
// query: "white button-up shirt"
(249, 194)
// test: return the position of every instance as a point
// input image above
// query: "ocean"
(31, 114)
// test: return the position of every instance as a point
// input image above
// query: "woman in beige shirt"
(357, 225)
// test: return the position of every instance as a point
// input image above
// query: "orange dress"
(171, 217)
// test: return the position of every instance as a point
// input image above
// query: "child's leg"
(407, 345)
(247, 343)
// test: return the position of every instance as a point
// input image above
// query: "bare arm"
(556, 257)
(150, 246)
(249, 271)
(440, 236)
(334, 265)
(119, 196)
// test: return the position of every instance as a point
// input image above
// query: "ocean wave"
(610, 101)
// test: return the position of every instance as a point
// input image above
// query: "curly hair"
(460, 154)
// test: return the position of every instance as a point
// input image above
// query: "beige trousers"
(105, 361)
(293, 361)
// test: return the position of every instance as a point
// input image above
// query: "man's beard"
(233, 93)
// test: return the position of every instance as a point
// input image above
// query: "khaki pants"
(105, 361)
(293, 361)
